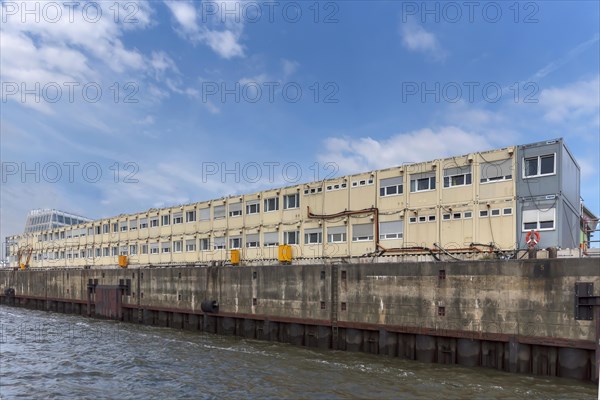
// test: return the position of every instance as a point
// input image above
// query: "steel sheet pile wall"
(510, 315)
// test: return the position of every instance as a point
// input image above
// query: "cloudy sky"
(112, 108)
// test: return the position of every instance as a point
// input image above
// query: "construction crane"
(24, 252)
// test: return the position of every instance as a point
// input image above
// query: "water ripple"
(57, 356)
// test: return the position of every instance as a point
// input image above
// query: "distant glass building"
(45, 219)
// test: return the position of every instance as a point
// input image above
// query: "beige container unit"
(421, 227)
(456, 226)
(495, 224)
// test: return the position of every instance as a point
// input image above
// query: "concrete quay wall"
(517, 316)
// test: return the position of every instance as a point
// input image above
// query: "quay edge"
(516, 316)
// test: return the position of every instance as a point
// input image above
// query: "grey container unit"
(548, 194)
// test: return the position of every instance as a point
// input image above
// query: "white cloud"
(575, 101)
(223, 40)
(99, 39)
(81, 52)
(225, 43)
(362, 154)
(185, 14)
(289, 67)
(416, 38)
(258, 79)
(147, 120)
(161, 63)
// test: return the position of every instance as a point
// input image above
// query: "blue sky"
(382, 83)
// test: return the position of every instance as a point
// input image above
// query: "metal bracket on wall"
(585, 301)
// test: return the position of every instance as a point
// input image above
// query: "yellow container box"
(235, 257)
(285, 253)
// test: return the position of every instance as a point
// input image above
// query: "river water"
(49, 355)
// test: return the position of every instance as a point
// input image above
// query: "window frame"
(539, 221)
(187, 215)
(233, 213)
(503, 178)
(467, 179)
(250, 242)
(268, 243)
(177, 246)
(391, 236)
(267, 201)
(399, 187)
(232, 242)
(286, 201)
(369, 238)
(286, 237)
(308, 238)
(539, 166)
(204, 244)
(219, 215)
(219, 246)
(177, 218)
(253, 204)
(190, 247)
(415, 188)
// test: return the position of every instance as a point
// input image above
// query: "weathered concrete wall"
(512, 315)
(530, 298)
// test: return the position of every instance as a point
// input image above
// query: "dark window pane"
(546, 224)
(531, 166)
(458, 180)
(391, 190)
(547, 165)
(530, 225)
